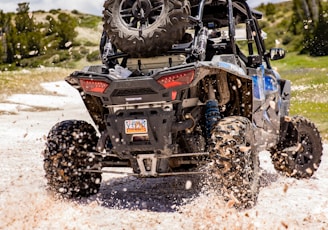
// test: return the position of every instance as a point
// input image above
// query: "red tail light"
(93, 86)
(177, 79)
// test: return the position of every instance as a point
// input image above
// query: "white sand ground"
(129, 203)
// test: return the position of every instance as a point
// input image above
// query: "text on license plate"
(136, 126)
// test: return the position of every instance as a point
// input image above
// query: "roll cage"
(230, 13)
(213, 15)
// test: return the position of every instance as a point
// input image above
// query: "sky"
(84, 6)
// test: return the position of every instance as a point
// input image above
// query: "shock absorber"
(212, 115)
(199, 49)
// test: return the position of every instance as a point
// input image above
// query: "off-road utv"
(186, 87)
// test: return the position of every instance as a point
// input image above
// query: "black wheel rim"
(140, 14)
(304, 155)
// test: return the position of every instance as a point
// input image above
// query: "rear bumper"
(156, 139)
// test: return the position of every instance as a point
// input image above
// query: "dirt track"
(129, 203)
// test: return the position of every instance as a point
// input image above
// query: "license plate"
(137, 126)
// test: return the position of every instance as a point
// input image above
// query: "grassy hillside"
(309, 77)
(276, 23)
(85, 45)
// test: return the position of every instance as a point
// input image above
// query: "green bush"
(271, 18)
(30, 63)
(270, 9)
(76, 55)
(64, 56)
(263, 24)
(89, 21)
(84, 51)
(53, 11)
(287, 38)
(88, 43)
(94, 56)
(75, 12)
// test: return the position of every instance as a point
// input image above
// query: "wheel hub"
(141, 9)
(140, 14)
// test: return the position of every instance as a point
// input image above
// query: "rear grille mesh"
(132, 92)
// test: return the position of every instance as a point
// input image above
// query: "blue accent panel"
(256, 89)
(263, 84)
(225, 65)
(270, 84)
(230, 67)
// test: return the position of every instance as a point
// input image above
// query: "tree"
(319, 41)
(3, 43)
(22, 37)
(65, 29)
(29, 40)
(270, 9)
(6, 38)
(310, 19)
(24, 20)
(52, 26)
(12, 40)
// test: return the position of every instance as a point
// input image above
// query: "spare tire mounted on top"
(144, 28)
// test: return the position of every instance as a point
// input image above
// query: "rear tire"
(299, 154)
(67, 154)
(163, 23)
(235, 161)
